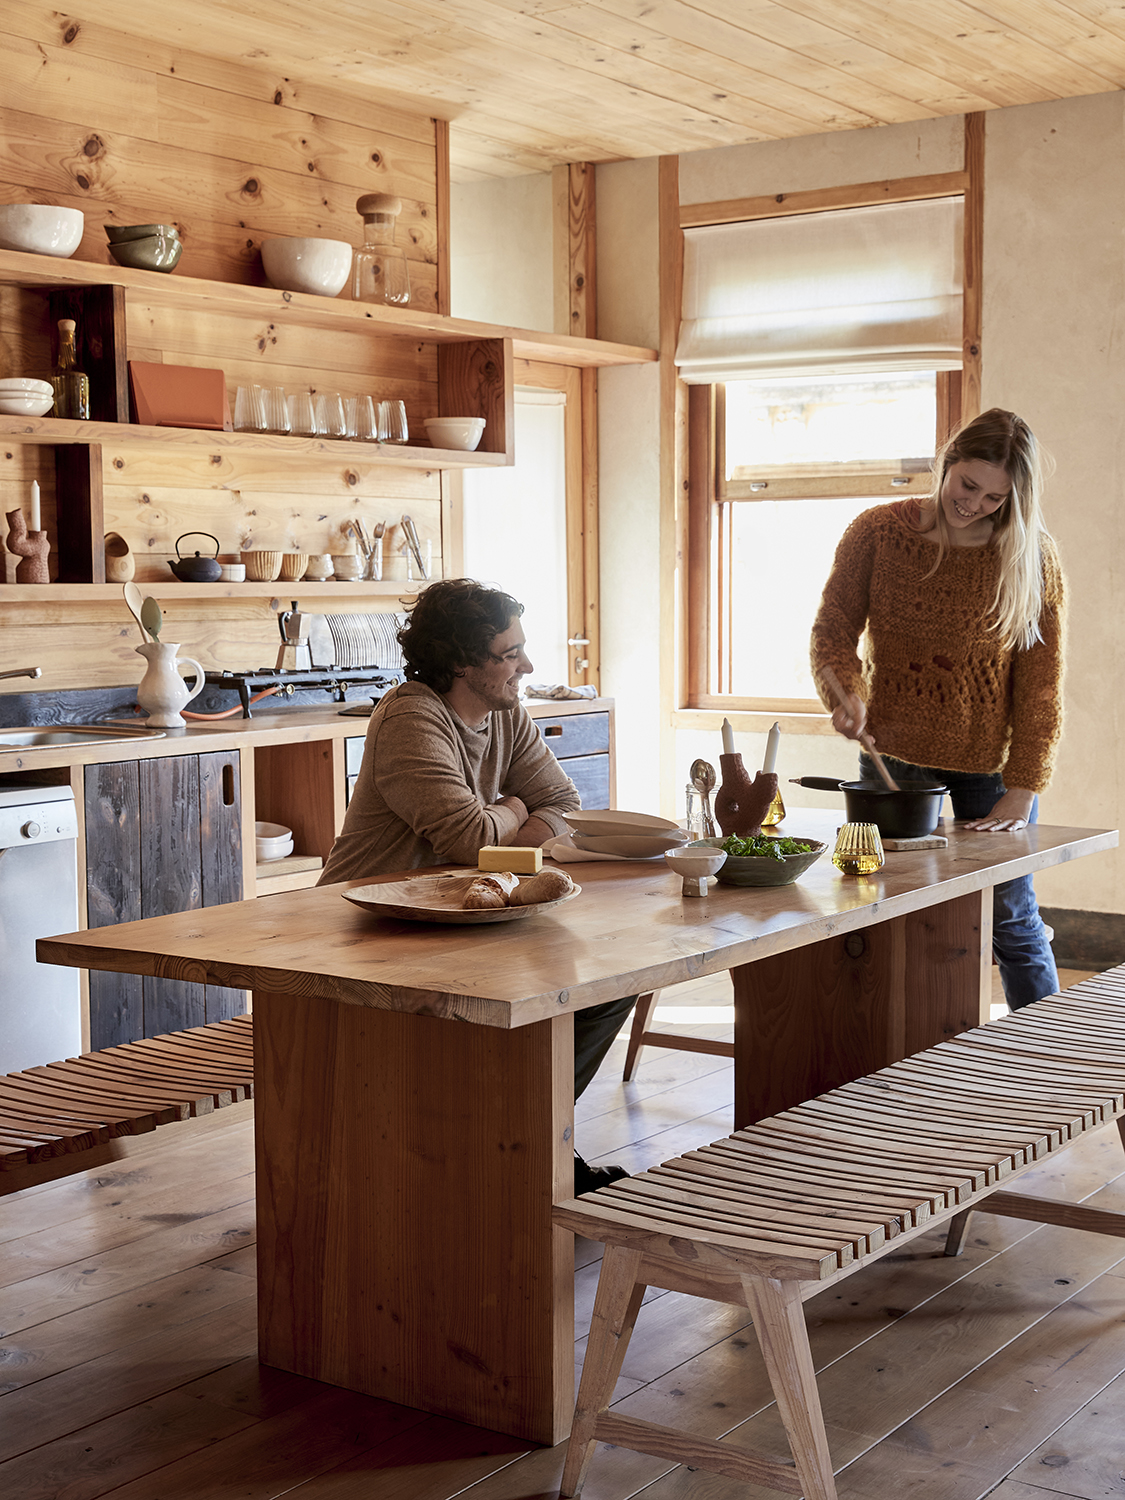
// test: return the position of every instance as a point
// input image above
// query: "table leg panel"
(949, 969)
(406, 1171)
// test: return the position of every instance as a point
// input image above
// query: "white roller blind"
(853, 289)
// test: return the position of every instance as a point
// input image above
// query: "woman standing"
(962, 600)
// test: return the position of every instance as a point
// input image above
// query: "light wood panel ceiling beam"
(529, 84)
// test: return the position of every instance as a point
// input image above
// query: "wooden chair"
(777, 1212)
(640, 1036)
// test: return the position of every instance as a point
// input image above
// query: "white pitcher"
(163, 692)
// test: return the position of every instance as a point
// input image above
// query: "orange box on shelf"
(178, 396)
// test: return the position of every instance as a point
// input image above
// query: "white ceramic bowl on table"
(463, 433)
(41, 228)
(307, 265)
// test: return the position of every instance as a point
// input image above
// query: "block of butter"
(520, 861)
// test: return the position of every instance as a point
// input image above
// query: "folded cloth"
(558, 690)
(567, 853)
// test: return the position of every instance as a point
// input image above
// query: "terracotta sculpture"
(741, 801)
(31, 547)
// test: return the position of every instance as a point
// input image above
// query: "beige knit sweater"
(940, 689)
(429, 786)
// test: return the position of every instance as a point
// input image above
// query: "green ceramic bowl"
(117, 234)
(740, 870)
(155, 252)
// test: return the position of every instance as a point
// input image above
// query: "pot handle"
(207, 534)
(200, 676)
(817, 783)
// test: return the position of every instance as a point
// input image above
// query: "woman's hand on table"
(1009, 815)
(849, 718)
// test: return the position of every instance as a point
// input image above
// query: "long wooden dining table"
(413, 1082)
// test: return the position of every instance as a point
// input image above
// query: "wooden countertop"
(631, 930)
(288, 726)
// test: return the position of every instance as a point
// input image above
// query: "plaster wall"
(500, 263)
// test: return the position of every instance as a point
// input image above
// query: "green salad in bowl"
(764, 860)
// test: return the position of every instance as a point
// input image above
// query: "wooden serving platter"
(438, 898)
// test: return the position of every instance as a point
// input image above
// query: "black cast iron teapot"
(197, 569)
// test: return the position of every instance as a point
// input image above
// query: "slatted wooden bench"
(775, 1213)
(56, 1115)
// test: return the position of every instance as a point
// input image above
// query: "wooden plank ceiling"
(528, 84)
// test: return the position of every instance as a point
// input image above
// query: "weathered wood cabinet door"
(161, 836)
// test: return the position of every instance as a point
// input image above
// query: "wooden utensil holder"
(742, 801)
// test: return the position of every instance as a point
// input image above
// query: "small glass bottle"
(379, 270)
(71, 386)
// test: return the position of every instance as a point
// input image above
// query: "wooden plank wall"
(135, 132)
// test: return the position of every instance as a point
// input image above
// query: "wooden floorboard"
(127, 1365)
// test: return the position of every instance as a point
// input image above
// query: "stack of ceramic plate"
(629, 835)
(21, 396)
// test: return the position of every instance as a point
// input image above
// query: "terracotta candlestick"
(742, 802)
(31, 547)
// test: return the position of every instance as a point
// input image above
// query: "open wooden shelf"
(170, 590)
(228, 299)
(52, 431)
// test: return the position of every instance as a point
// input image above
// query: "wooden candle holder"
(31, 547)
(742, 801)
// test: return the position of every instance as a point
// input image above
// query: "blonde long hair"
(1001, 438)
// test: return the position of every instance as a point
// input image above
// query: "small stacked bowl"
(272, 841)
(628, 835)
(145, 247)
(20, 396)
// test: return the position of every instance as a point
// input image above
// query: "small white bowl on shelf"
(24, 404)
(24, 385)
(40, 228)
(463, 433)
(307, 265)
(272, 841)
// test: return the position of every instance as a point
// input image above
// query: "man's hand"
(534, 833)
(1009, 815)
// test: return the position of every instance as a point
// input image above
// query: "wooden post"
(974, 257)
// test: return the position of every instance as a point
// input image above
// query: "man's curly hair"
(450, 627)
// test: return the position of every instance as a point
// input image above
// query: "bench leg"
(616, 1306)
(642, 1015)
(958, 1232)
(779, 1321)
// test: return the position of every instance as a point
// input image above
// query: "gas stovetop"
(288, 680)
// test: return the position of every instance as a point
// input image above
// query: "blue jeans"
(1019, 938)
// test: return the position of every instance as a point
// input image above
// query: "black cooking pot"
(910, 813)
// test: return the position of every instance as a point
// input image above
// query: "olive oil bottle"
(71, 386)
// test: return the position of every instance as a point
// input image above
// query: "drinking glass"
(392, 422)
(366, 422)
(859, 849)
(302, 416)
(350, 405)
(250, 409)
(277, 411)
(330, 419)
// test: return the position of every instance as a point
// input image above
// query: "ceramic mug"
(319, 568)
(347, 566)
(233, 573)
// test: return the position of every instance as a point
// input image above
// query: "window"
(822, 354)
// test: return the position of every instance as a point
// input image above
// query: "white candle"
(773, 739)
(728, 738)
(33, 524)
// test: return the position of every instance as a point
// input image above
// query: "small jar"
(379, 269)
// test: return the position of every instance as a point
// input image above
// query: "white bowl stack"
(629, 835)
(21, 396)
(272, 841)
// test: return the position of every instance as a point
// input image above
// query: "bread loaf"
(488, 892)
(548, 885)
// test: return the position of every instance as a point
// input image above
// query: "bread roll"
(548, 885)
(488, 892)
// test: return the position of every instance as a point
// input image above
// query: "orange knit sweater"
(940, 689)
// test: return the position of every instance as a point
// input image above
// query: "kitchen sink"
(62, 736)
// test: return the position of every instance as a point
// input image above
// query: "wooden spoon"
(865, 739)
(151, 617)
(134, 601)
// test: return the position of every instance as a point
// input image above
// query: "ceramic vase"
(163, 692)
(742, 802)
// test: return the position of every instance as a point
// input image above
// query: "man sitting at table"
(454, 762)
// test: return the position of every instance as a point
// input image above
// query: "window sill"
(752, 721)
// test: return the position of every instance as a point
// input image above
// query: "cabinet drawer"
(590, 774)
(353, 753)
(576, 734)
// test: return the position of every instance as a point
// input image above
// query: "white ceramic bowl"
(628, 846)
(298, 265)
(42, 228)
(455, 432)
(16, 404)
(272, 841)
(24, 385)
(612, 822)
(695, 862)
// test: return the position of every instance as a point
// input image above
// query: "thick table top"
(629, 931)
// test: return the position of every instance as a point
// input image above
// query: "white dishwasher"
(40, 1004)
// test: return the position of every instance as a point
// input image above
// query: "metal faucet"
(24, 672)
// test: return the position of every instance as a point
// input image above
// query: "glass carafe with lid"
(379, 271)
